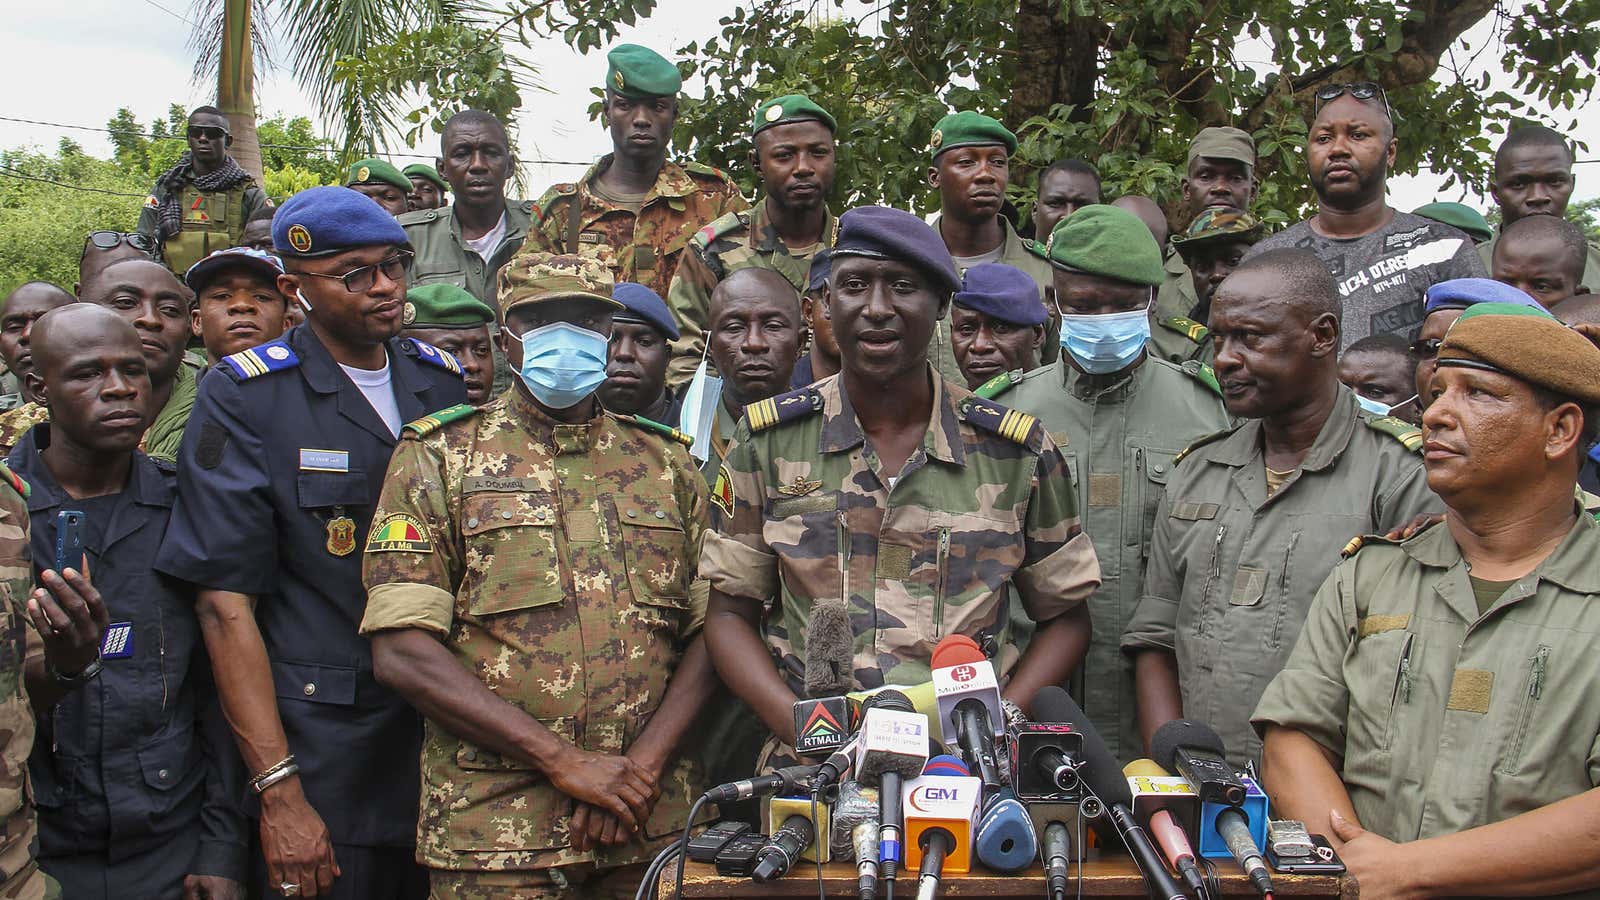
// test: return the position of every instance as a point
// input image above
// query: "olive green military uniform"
(1232, 569)
(805, 516)
(20, 877)
(1591, 267)
(212, 221)
(643, 245)
(1020, 253)
(1119, 434)
(738, 240)
(165, 434)
(1173, 335)
(554, 561)
(1444, 718)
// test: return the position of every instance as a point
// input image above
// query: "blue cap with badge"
(821, 266)
(1460, 293)
(1001, 292)
(640, 304)
(884, 233)
(321, 221)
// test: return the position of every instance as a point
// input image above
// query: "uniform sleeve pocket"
(511, 553)
(656, 549)
(318, 490)
(335, 685)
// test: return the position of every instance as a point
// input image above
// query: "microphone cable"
(683, 841)
(647, 886)
(823, 834)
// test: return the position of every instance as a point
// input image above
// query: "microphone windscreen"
(1144, 768)
(954, 650)
(946, 765)
(1164, 744)
(1005, 840)
(888, 698)
(1100, 772)
(830, 651)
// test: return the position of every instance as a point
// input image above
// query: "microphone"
(793, 778)
(865, 839)
(936, 844)
(830, 649)
(781, 811)
(787, 843)
(921, 696)
(1005, 840)
(969, 704)
(1103, 783)
(893, 746)
(1235, 830)
(839, 762)
(941, 815)
(1174, 842)
(822, 725)
(852, 805)
(1198, 754)
(1056, 853)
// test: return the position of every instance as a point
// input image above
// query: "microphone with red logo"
(968, 694)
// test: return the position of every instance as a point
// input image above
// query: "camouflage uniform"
(20, 878)
(738, 240)
(1119, 434)
(14, 423)
(806, 517)
(554, 561)
(642, 247)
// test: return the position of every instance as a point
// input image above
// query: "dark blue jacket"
(141, 753)
(282, 457)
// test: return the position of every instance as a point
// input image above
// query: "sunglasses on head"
(111, 240)
(1426, 348)
(1360, 90)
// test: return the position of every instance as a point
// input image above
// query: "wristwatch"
(73, 682)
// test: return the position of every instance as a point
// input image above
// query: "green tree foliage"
(1126, 83)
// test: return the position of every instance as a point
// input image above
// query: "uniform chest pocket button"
(655, 548)
(513, 560)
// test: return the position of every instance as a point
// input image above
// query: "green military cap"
(423, 170)
(638, 72)
(1218, 223)
(790, 108)
(1107, 241)
(970, 129)
(444, 306)
(1459, 215)
(372, 171)
(1222, 142)
(540, 277)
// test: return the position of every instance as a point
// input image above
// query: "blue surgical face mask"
(562, 363)
(1378, 409)
(1106, 343)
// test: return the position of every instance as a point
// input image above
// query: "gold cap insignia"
(936, 140)
(408, 313)
(774, 112)
(299, 238)
(362, 174)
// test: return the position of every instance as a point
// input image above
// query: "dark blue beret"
(644, 305)
(326, 220)
(884, 233)
(821, 265)
(1460, 293)
(1001, 292)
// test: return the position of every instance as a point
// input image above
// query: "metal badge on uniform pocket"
(118, 641)
(341, 533)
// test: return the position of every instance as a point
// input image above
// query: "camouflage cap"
(638, 73)
(444, 306)
(1217, 223)
(539, 277)
(1222, 142)
(970, 129)
(1107, 241)
(377, 171)
(423, 170)
(790, 108)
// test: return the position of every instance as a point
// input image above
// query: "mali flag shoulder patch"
(722, 491)
(400, 532)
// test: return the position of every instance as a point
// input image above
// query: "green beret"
(444, 306)
(423, 170)
(970, 129)
(1527, 344)
(1460, 216)
(376, 171)
(790, 108)
(1107, 241)
(1217, 223)
(639, 73)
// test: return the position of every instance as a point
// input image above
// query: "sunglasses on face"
(215, 134)
(360, 280)
(1361, 90)
(111, 240)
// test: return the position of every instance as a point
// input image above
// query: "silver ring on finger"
(288, 889)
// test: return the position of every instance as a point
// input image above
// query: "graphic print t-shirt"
(1384, 275)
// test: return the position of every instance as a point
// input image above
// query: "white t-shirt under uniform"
(377, 386)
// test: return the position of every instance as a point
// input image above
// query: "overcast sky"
(81, 60)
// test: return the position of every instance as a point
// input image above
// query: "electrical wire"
(683, 843)
(8, 172)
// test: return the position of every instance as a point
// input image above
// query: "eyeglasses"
(1426, 348)
(111, 240)
(1361, 90)
(215, 134)
(360, 280)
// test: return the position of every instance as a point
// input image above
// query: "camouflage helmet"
(1219, 223)
(540, 277)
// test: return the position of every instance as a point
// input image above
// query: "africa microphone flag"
(400, 532)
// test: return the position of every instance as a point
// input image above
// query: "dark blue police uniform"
(282, 461)
(135, 773)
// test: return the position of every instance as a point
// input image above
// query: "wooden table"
(1114, 876)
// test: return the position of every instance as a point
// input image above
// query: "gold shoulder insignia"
(1204, 374)
(657, 427)
(1189, 328)
(1017, 427)
(432, 422)
(764, 414)
(1409, 435)
(1196, 445)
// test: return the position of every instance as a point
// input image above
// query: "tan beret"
(1527, 344)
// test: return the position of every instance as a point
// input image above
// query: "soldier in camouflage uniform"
(794, 155)
(636, 209)
(528, 577)
(1119, 423)
(754, 343)
(880, 510)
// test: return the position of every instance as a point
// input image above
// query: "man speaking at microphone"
(1438, 716)
(876, 512)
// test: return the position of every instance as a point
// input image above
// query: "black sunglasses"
(111, 240)
(1361, 90)
(360, 280)
(215, 134)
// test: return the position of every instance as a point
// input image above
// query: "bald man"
(1231, 575)
(21, 308)
(1149, 212)
(753, 339)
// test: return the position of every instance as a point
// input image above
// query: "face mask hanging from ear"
(700, 401)
(1378, 409)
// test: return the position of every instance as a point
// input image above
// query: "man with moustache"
(635, 209)
(821, 358)
(280, 468)
(995, 327)
(1382, 260)
(450, 319)
(133, 770)
(1254, 516)
(636, 369)
(1065, 186)
(794, 156)
(200, 204)
(753, 341)
(1533, 177)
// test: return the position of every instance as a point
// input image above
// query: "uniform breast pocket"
(1380, 674)
(513, 561)
(959, 568)
(1157, 464)
(656, 551)
(1524, 748)
(423, 276)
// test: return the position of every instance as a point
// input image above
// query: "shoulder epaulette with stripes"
(657, 427)
(1204, 374)
(726, 223)
(1399, 429)
(999, 384)
(273, 356)
(764, 414)
(1189, 328)
(434, 421)
(1018, 427)
(15, 480)
(428, 353)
